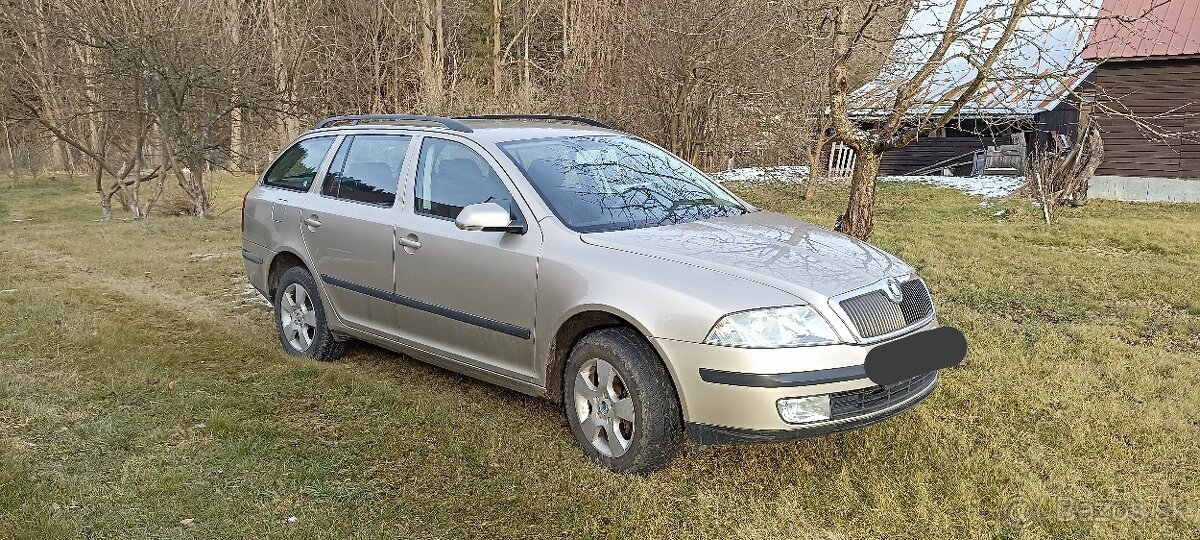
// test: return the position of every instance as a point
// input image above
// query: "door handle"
(312, 221)
(410, 243)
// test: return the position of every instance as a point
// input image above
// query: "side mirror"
(487, 217)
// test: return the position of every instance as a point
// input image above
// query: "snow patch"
(789, 175)
(983, 186)
(251, 296)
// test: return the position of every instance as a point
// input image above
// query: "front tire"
(620, 402)
(300, 318)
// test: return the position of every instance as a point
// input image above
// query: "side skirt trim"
(449, 313)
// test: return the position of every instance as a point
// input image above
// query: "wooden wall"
(1150, 88)
(1063, 119)
(927, 151)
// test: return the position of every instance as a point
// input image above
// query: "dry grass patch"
(138, 388)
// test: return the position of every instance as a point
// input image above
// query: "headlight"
(791, 326)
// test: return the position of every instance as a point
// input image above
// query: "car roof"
(493, 131)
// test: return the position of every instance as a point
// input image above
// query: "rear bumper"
(254, 262)
(708, 435)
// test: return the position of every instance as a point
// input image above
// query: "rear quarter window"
(297, 167)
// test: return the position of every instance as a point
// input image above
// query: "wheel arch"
(280, 262)
(583, 321)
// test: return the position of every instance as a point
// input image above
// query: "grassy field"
(140, 386)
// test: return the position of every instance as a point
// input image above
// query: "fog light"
(805, 409)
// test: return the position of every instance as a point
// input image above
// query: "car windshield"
(610, 183)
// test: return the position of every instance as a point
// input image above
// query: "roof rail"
(567, 118)
(355, 119)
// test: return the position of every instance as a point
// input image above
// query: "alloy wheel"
(604, 407)
(298, 318)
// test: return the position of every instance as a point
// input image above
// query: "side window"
(297, 167)
(366, 169)
(451, 176)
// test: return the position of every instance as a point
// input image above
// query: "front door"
(469, 294)
(348, 228)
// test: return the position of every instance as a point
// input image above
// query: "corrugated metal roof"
(1020, 97)
(1036, 70)
(1144, 29)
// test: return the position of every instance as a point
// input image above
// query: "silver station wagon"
(557, 257)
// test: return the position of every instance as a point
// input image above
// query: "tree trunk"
(237, 147)
(101, 149)
(88, 59)
(432, 57)
(237, 144)
(1079, 187)
(61, 160)
(287, 126)
(526, 83)
(12, 157)
(858, 220)
(160, 182)
(202, 203)
(106, 206)
(439, 58)
(810, 183)
(566, 35)
(497, 37)
(426, 43)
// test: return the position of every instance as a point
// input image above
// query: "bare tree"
(154, 85)
(1057, 178)
(948, 52)
(159, 93)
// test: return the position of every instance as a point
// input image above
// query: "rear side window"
(451, 176)
(366, 169)
(297, 167)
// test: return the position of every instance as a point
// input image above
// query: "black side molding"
(251, 257)
(781, 380)
(460, 316)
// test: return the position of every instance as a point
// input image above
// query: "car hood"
(800, 258)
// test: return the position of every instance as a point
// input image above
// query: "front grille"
(875, 398)
(873, 314)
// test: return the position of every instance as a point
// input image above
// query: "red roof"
(1145, 28)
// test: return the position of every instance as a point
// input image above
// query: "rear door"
(348, 228)
(470, 294)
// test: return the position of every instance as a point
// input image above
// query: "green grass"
(140, 386)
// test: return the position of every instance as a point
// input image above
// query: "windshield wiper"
(688, 203)
(712, 202)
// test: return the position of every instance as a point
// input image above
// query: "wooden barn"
(996, 139)
(1029, 100)
(1147, 87)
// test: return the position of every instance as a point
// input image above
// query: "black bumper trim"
(709, 435)
(781, 380)
(251, 257)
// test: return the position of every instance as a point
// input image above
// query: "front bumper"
(706, 435)
(731, 394)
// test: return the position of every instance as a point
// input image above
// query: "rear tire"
(300, 318)
(620, 402)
